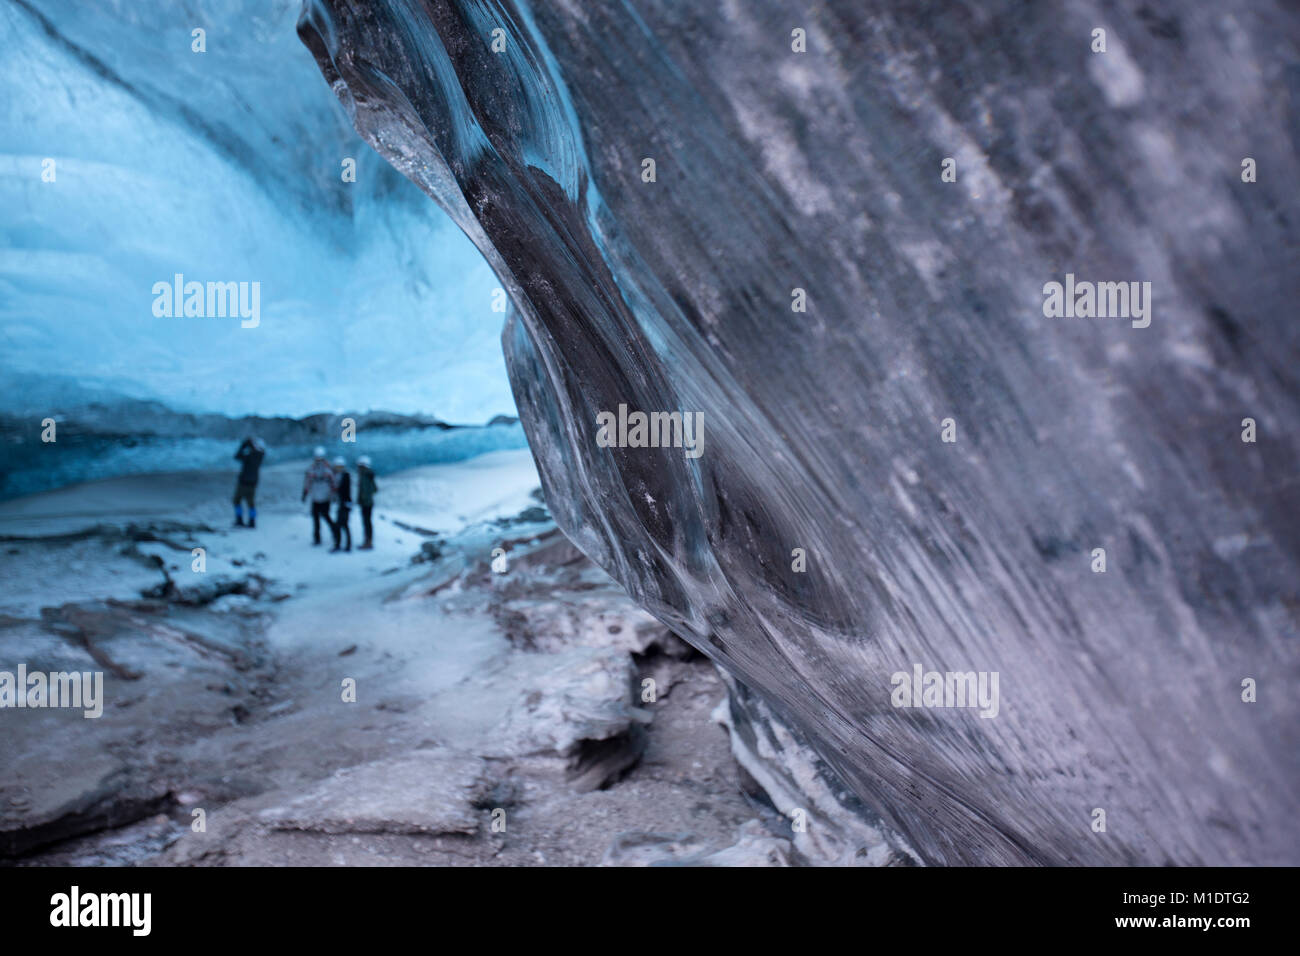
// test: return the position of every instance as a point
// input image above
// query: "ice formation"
(828, 230)
(131, 156)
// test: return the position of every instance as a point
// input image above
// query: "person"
(250, 456)
(319, 483)
(343, 495)
(366, 489)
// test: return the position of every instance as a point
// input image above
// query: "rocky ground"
(518, 714)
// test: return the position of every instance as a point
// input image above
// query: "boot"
(239, 521)
(252, 522)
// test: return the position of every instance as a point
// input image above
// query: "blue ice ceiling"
(224, 166)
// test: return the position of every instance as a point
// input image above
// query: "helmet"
(364, 460)
(319, 452)
(339, 462)
(259, 444)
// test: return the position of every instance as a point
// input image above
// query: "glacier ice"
(224, 165)
(778, 172)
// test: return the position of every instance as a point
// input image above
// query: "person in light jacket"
(318, 483)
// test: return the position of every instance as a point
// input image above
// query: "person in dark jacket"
(343, 495)
(318, 482)
(366, 489)
(250, 455)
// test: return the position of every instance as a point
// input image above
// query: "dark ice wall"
(783, 178)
